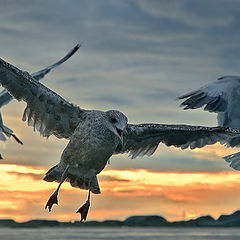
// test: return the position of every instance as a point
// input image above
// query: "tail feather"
(55, 174)
(83, 183)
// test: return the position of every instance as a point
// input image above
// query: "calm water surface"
(123, 233)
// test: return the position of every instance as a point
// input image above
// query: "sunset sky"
(137, 56)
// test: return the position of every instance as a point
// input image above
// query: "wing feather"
(143, 139)
(46, 111)
(233, 160)
(214, 96)
(6, 97)
(220, 96)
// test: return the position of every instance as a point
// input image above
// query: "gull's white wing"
(221, 96)
(5, 97)
(143, 139)
(46, 111)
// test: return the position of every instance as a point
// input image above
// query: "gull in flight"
(221, 96)
(94, 135)
(5, 97)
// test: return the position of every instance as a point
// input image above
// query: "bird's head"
(118, 122)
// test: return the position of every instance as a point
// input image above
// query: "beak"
(120, 134)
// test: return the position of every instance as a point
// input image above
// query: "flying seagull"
(94, 136)
(221, 96)
(5, 97)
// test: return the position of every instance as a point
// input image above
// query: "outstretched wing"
(214, 96)
(46, 111)
(5, 97)
(7, 132)
(143, 139)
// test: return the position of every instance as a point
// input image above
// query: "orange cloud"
(213, 151)
(23, 194)
(34, 176)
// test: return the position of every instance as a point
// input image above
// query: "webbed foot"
(83, 210)
(52, 200)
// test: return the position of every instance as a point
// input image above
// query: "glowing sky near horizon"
(137, 56)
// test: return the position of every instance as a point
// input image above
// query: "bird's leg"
(53, 198)
(83, 210)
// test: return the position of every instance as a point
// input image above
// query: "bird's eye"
(113, 119)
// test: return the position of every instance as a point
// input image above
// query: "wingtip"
(177, 99)
(79, 44)
(17, 139)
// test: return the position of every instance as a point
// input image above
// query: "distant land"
(232, 220)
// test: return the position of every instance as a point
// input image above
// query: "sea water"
(122, 233)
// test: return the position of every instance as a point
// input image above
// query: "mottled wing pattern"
(5, 97)
(46, 111)
(214, 96)
(143, 139)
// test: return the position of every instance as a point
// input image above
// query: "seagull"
(95, 135)
(221, 96)
(5, 97)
